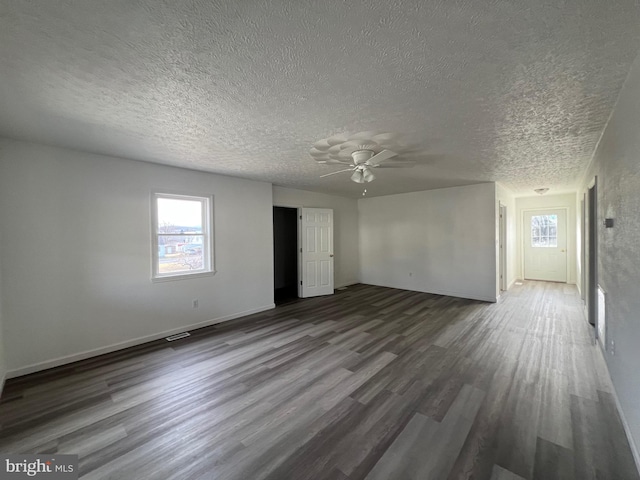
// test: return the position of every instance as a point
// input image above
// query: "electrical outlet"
(195, 303)
(613, 347)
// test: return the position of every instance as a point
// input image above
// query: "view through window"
(544, 231)
(182, 235)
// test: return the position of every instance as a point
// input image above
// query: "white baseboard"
(472, 296)
(627, 430)
(625, 424)
(56, 362)
(446, 293)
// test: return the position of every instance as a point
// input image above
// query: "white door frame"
(583, 247)
(503, 246)
(524, 239)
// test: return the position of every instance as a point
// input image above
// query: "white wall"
(567, 201)
(76, 255)
(616, 163)
(438, 241)
(345, 225)
(506, 198)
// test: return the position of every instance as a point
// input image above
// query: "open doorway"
(285, 254)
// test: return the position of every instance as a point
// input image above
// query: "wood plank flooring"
(370, 383)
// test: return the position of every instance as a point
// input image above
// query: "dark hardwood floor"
(371, 383)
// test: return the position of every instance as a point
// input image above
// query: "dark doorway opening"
(592, 253)
(285, 254)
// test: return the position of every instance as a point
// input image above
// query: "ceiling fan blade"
(397, 165)
(380, 157)
(339, 171)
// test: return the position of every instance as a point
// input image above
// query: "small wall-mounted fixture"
(541, 191)
(608, 223)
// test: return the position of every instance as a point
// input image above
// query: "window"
(182, 238)
(544, 231)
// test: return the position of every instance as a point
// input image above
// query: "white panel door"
(545, 245)
(316, 227)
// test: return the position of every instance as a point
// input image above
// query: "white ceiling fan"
(362, 152)
(363, 161)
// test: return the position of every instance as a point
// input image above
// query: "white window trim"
(207, 234)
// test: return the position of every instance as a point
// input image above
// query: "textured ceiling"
(517, 92)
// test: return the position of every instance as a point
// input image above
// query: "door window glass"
(544, 231)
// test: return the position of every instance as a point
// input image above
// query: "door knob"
(331, 254)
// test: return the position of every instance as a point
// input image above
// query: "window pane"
(182, 243)
(179, 216)
(180, 253)
(544, 231)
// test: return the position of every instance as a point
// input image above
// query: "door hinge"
(300, 249)
(300, 282)
(300, 217)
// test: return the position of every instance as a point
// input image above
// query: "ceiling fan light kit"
(368, 175)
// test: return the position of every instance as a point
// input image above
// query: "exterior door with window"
(316, 251)
(545, 245)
